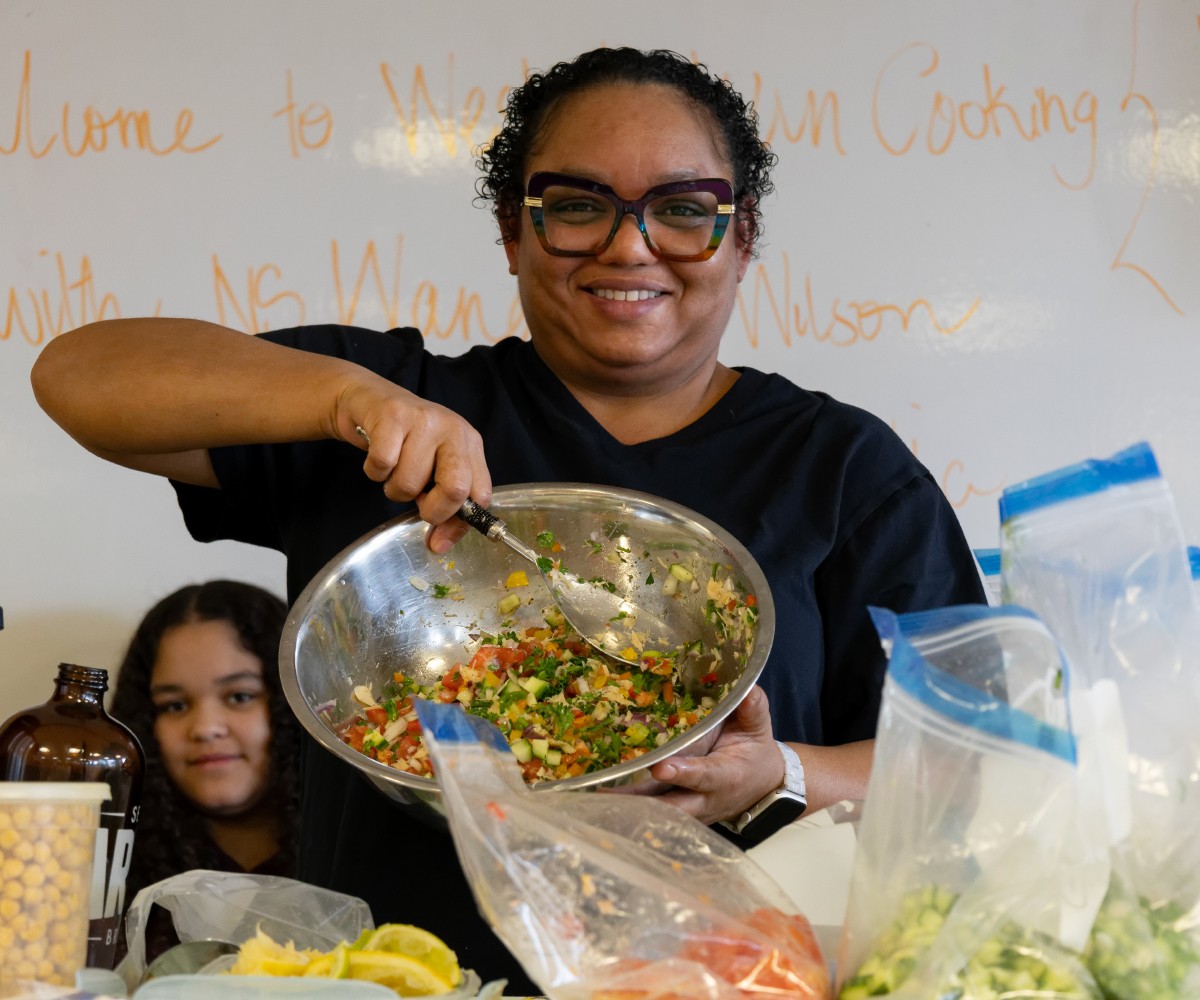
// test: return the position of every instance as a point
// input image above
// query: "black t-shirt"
(836, 510)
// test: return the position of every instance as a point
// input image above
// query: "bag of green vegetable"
(1097, 551)
(977, 875)
(609, 896)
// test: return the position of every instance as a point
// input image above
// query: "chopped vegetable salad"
(565, 709)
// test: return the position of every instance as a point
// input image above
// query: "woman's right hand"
(418, 450)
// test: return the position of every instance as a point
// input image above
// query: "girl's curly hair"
(531, 106)
(171, 835)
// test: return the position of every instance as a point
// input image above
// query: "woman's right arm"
(156, 394)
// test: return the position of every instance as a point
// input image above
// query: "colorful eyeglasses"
(683, 221)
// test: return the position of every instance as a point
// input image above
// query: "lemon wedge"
(405, 975)
(418, 944)
(332, 965)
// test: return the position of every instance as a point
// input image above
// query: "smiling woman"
(628, 190)
(199, 688)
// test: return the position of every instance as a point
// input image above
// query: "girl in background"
(200, 688)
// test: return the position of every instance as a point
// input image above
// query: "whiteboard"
(986, 231)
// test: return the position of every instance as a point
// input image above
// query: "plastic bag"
(603, 896)
(976, 876)
(230, 906)
(1096, 549)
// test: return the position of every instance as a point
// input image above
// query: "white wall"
(986, 230)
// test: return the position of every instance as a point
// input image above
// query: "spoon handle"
(487, 523)
(481, 519)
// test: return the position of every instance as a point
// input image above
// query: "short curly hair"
(171, 835)
(530, 106)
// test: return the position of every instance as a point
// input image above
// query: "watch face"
(772, 814)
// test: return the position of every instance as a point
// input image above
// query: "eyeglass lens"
(580, 221)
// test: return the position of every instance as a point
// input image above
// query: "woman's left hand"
(742, 766)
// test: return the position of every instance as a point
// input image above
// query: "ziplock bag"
(231, 906)
(976, 876)
(1096, 549)
(610, 896)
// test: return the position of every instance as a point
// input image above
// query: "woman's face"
(212, 718)
(632, 138)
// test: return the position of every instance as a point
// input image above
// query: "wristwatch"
(778, 808)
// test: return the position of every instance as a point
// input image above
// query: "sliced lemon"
(332, 965)
(419, 944)
(405, 975)
(319, 966)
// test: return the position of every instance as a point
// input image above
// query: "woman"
(619, 384)
(199, 688)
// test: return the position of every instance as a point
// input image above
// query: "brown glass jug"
(72, 738)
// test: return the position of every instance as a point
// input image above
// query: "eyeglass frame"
(540, 181)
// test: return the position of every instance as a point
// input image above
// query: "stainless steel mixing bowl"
(386, 603)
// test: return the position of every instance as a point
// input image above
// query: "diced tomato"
(413, 728)
(506, 656)
(668, 692)
(407, 746)
(378, 715)
(447, 695)
(751, 601)
(709, 678)
(453, 680)
(643, 699)
(354, 736)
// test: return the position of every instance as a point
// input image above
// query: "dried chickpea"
(45, 880)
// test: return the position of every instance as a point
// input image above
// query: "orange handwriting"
(990, 115)
(1131, 97)
(310, 126)
(126, 129)
(262, 300)
(70, 300)
(840, 324)
(252, 311)
(812, 120)
(426, 313)
(450, 129)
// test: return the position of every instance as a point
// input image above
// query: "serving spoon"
(604, 619)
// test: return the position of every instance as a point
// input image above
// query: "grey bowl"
(374, 609)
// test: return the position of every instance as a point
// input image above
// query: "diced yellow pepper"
(629, 653)
(491, 678)
(517, 578)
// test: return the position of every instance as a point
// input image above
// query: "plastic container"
(200, 987)
(47, 833)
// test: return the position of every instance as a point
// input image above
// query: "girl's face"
(211, 717)
(582, 314)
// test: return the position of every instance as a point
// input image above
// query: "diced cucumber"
(681, 573)
(508, 604)
(521, 750)
(534, 685)
(553, 757)
(636, 733)
(374, 740)
(540, 747)
(1014, 962)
